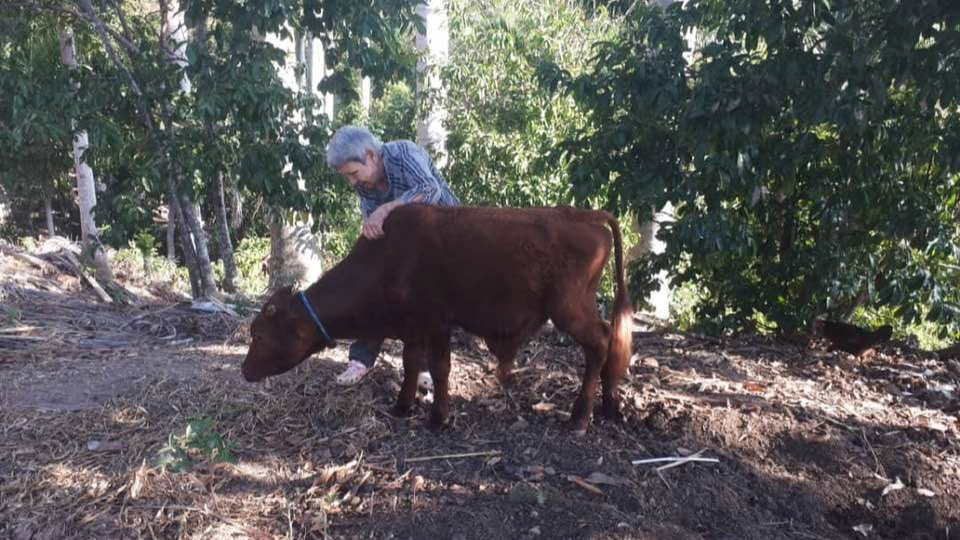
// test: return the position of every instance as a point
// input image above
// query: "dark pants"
(366, 351)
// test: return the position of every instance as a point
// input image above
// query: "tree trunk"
(186, 241)
(660, 298)
(433, 47)
(86, 183)
(220, 208)
(223, 237)
(193, 239)
(191, 221)
(171, 237)
(316, 72)
(366, 96)
(294, 253)
(236, 206)
(48, 212)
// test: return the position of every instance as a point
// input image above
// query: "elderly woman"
(385, 176)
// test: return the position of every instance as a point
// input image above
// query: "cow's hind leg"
(413, 354)
(613, 371)
(581, 321)
(438, 358)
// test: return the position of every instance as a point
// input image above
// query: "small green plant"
(200, 438)
(147, 245)
(11, 316)
(250, 256)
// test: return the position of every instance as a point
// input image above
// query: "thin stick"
(674, 460)
(838, 423)
(454, 456)
(876, 460)
(687, 460)
(582, 483)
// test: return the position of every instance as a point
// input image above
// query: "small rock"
(650, 363)
(535, 531)
(520, 425)
(418, 482)
(535, 514)
(104, 446)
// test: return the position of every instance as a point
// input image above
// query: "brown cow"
(497, 273)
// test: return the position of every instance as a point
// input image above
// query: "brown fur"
(498, 273)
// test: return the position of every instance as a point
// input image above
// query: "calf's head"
(283, 336)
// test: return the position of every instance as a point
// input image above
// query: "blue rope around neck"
(313, 315)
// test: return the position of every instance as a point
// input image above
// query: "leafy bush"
(200, 440)
(250, 257)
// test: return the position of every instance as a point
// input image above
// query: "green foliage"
(393, 116)
(250, 257)
(35, 110)
(146, 243)
(11, 316)
(809, 148)
(131, 264)
(501, 123)
(200, 440)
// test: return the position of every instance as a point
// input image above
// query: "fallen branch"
(454, 456)
(583, 483)
(43, 265)
(78, 268)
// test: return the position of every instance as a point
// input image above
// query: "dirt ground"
(808, 444)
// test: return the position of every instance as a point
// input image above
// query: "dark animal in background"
(851, 338)
(498, 273)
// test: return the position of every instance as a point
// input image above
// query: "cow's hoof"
(507, 378)
(612, 414)
(437, 427)
(577, 429)
(438, 422)
(400, 411)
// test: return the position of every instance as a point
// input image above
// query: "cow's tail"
(621, 317)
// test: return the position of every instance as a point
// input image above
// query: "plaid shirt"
(410, 172)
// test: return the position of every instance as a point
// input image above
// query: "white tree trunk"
(48, 212)
(317, 71)
(659, 299)
(86, 184)
(366, 96)
(295, 252)
(171, 239)
(174, 31)
(193, 239)
(433, 47)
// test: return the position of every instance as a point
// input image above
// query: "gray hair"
(351, 143)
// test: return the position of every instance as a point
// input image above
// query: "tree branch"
(102, 30)
(127, 44)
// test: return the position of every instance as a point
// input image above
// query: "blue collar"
(313, 315)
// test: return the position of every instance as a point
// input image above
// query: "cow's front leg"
(438, 359)
(413, 352)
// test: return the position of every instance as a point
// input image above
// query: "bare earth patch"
(810, 445)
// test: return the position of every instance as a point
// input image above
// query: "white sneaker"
(353, 374)
(425, 381)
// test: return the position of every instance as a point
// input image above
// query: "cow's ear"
(270, 310)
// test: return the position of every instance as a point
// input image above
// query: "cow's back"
(493, 270)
